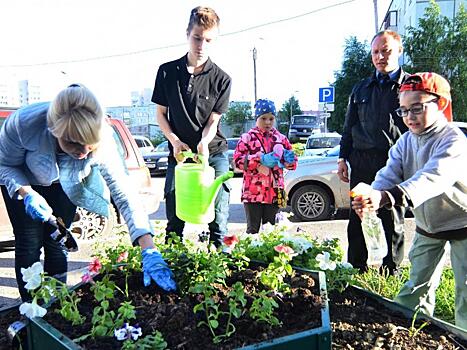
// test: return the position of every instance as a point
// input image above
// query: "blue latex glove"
(154, 267)
(289, 156)
(37, 207)
(270, 160)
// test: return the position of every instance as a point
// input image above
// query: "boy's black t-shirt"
(191, 99)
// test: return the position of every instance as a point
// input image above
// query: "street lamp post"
(254, 71)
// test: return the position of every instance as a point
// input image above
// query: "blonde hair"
(203, 16)
(75, 115)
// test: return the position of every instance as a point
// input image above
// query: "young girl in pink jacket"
(262, 153)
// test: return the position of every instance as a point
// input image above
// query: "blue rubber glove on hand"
(270, 159)
(289, 156)
(37, 207)
(154, 267)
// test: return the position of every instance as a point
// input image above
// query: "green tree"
(238, 112)
(440, 45)
(356, 65)
(289, 108)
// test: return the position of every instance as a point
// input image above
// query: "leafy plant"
(154, 341)
(273, 276)
(413, 331)
(383, 284)
(262, 309)
(236, 302)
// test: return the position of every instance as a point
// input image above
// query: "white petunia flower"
(256, 242)
(32, 275)
(346, 265)
(325, 263)
(267, 228)
(127, 332)
(31, 310)
(120, 334)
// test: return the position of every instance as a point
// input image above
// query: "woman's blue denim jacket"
(28, 156)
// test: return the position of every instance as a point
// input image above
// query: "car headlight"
(285, 171)
(163, 159)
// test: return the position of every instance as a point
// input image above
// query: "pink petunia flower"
(95, 266)
(122, 257)
(86, 278)
(282, 248)
(230, 240)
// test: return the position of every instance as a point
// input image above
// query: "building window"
(390, 20)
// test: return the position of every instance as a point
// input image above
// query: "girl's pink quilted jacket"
(259, 181)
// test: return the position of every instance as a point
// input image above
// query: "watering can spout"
(214, 188)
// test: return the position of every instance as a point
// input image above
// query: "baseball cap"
(431, 83)
(263, 106)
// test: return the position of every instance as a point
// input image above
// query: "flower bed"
(225, 302)
(172, 316)
(221, 301)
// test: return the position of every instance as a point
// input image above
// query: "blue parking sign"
(326, 95)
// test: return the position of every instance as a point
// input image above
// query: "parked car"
(157, 160)
(462, 126)
(87, 225)
(314, 190)
(144, 144)
(232, 144)
(317, 143)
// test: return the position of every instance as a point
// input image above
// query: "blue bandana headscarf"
(263, 106)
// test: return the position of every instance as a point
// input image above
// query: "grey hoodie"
(431, 170)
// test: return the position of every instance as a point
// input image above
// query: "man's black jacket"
(371, 122)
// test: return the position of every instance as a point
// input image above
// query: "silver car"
(314, 189)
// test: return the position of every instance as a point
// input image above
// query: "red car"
(89, 225)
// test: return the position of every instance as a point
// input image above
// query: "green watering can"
(195, 190)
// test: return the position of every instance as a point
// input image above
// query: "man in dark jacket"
(371, 127)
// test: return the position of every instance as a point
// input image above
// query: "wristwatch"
(340, 160)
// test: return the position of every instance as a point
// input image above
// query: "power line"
(138, 52)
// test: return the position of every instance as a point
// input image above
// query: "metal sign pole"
(325, 110)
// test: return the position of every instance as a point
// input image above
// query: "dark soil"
(173, 316)
(358, 321)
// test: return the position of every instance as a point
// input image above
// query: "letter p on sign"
(326, 95)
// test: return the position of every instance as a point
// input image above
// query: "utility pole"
(375, 4)
(254, 71)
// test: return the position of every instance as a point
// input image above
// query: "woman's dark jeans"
(31, 236)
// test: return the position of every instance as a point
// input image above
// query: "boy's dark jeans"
(217, 228)
(364, 166)
(31, 236)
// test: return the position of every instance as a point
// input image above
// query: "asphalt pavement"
(335, 228)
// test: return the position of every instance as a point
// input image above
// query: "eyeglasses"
(415, 109)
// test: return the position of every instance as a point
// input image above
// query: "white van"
(317, 143)
(144, 144)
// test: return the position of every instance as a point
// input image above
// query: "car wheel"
(87, 225)
(311, 203)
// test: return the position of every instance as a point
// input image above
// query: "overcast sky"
(116, 46)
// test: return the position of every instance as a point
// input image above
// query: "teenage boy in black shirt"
(191, 94)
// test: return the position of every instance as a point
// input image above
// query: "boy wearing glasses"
(426, 171)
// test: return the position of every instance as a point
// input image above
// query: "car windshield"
(306, 120)
(322, 142)
(333, 152)
(163, 147)
(232, 143)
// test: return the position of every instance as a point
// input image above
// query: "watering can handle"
(189, 154)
